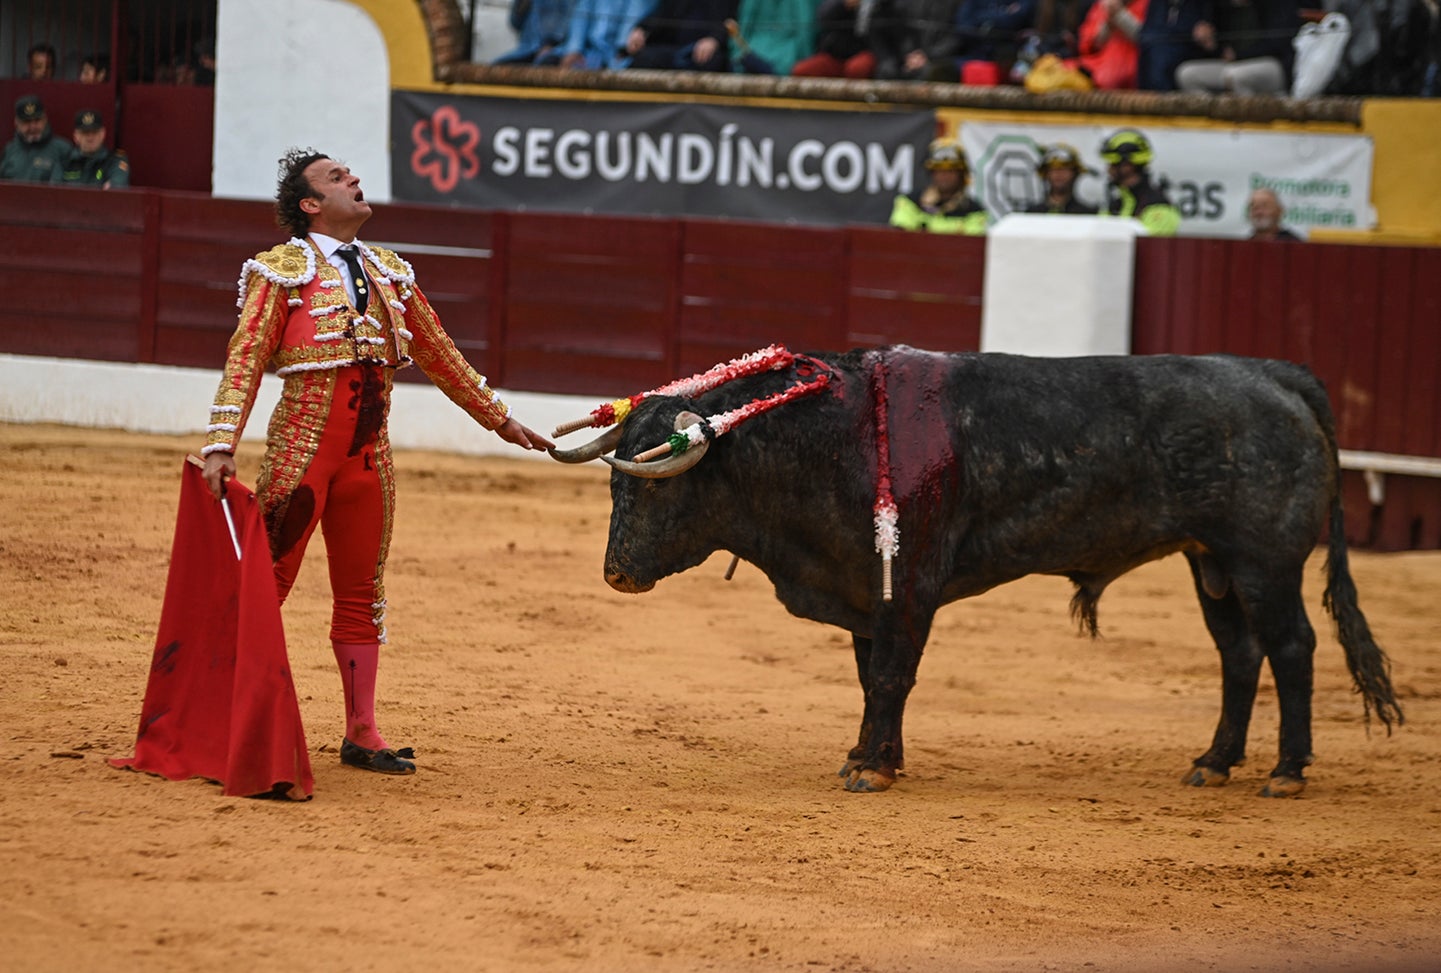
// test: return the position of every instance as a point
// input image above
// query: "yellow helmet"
(1127, 145)
(946, 154)
(1061, 156)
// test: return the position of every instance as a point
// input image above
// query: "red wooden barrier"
(747, 285)
(915, 288)
(590, 303)
(72, 271)
(1366, 320)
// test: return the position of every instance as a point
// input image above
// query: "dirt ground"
(636, 783)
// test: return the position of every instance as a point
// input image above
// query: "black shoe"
(385, 761)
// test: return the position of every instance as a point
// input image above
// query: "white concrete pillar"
(1057, 286)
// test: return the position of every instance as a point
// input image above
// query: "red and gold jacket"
(295, 314)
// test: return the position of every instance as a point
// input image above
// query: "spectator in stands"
(770, 36)
(842, 48)
(327, 456)
(1060, 168)
(1058, 27)
(1265, 212)
(595, 39)
(540, 26)
(34, 154)
(988, 35)
(1130, 192)
(93, 163)
(1108, 42)
(943, 206)
(95, 69)
(920, 40)
(689, 35)
(183, 71)
(1166, 39)
(40, 62)
(1248, 49)
(205, 62)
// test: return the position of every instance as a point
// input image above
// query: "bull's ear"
(672, 465)
(594, 449)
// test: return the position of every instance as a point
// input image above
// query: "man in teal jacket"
(34, 154)
(94, 164)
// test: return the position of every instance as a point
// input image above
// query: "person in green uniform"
(93, 163)
(1128, 156)
(34, 154)
(943, 206)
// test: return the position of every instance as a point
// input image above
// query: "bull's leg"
(1240, 671)
(1280, 623)
(856, 757)
(893, 657)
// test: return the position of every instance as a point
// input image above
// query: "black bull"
(1002, 467)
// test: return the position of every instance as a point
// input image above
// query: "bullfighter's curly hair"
(292, 188)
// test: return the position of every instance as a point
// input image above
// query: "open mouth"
(359, 196)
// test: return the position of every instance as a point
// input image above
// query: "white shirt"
(330, 247)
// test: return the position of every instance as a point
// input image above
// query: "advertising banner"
(671, 159)
(1323, 181)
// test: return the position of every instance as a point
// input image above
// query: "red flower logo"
(444, 148)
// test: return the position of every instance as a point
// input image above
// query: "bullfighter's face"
(338, 207)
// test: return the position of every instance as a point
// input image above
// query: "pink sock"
(359, 662)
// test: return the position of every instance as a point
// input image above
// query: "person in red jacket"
(1108, 42)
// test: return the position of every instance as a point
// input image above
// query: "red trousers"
(327, 463)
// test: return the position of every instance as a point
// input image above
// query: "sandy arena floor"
(621, 783)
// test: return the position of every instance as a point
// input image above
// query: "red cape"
(220, 702)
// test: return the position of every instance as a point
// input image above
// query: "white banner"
(1324, 181)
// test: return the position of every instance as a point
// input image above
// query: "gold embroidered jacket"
(295, 313)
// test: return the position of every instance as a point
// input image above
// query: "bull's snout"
(621, 581)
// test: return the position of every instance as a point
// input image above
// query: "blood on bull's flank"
(874, 486)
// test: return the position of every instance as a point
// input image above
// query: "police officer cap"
(29, 108)
(88, 120)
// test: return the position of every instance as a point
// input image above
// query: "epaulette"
(392, 264)
(288, 265)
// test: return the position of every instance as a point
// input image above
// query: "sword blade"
(230, 522)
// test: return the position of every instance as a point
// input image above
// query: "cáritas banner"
(667, 159)
(1322, 180)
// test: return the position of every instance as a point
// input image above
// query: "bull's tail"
(1370, 668)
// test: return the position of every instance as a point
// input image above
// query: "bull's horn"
(598, 446)
(672, 465)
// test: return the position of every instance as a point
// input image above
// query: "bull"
(1003, 466)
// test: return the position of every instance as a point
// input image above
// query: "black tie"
(352, 260)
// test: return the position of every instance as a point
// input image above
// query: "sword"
(224, 506)
(230, 522)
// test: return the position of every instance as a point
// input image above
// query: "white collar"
(328, 244)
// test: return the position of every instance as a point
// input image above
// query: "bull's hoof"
(1205, 777)
(851, 766)
(868, 781)
(1283, 787)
